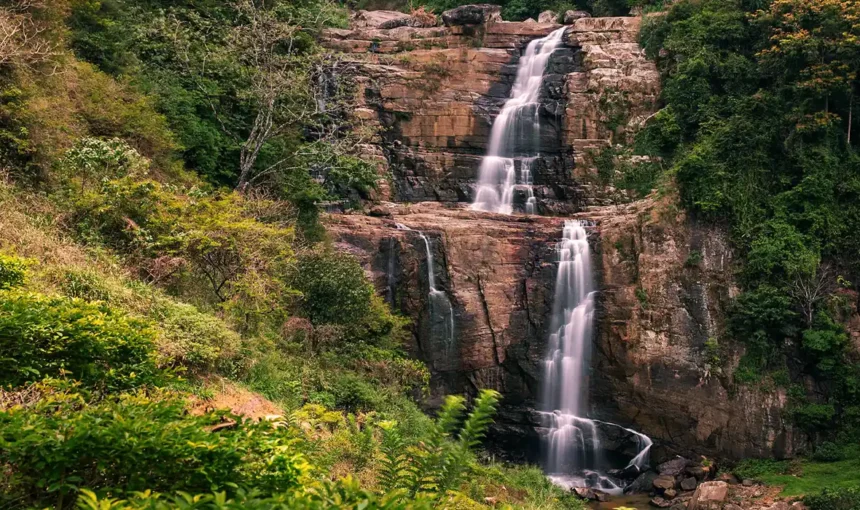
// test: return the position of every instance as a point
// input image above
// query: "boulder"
(530, 20)
(673, 467)
(664, 482)
(379, 19)
(709, 496)
(571, 16)
(670, 493)
(548, 17)
(728, 478)
(660, 502)
(643, 483)
(747, 482)
(698, 472)
(476, 14)
(689, 484)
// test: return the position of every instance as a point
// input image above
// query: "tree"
(22, 35)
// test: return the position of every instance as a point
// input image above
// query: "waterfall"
(441, 311)
(515, 136)
(573, 450)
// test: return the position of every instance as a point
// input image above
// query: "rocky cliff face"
(665, 280)
(432, 93)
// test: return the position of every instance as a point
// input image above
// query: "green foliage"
(439, 462)
(834, 499)
(334, 288)
(42, 336)
(754, 469)
(132, 442)
(829, 451)
(693, 259)
(13, 271)
(342, 495)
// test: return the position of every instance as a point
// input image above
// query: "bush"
(828, 452)
(334, 288)
(754, 469)
(834, 499)
(134, 442)
(43, 336)
(13, 271)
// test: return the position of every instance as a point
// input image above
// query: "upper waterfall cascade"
(515, 136)
(573, 451)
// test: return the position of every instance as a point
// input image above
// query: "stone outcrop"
(667, 282)
(432, 94)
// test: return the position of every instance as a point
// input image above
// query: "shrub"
(134, 442)
(42, 336)
(13, 271)
(834, 499)
(334, 287)
(756, 468)
(828, 452)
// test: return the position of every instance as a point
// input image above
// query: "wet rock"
(643, 483)
(660, 502)
(689, 484)
(548, 17)
(709, 496)
(571, 16)
(664, 482)
(477, 14)
(673, 467)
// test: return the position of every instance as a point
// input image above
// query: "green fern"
(480, 419)
(393, 463)
(450, 414)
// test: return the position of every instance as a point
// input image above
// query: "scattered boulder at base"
(709, 496)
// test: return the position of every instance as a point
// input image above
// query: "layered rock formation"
(432, 94)
(665, 280)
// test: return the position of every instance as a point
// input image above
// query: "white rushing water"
(441, 311)
(515, 136)
(574, 455)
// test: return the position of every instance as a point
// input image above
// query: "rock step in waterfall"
(574, 457)
(515, 136)
(441, 311)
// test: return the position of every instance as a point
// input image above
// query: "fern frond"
(480, 419)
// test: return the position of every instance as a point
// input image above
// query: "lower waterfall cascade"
(574, 457)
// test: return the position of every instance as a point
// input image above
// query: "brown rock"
(709, 496)
(673, 467)
(664, 482)
(571, 16)
(379, 19)
(670, 493)
(548, 17)
(731, 506)
(660, 502)
(728, 478)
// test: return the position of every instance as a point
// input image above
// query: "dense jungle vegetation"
(162, 168)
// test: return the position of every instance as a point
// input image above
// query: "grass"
(802, 477)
